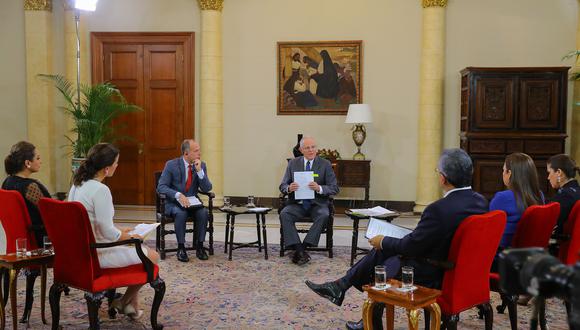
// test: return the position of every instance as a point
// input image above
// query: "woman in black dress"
(561, 172)
(20, 164)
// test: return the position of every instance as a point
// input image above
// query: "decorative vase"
(76, 163)
(359, 134)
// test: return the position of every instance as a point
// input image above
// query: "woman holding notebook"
(88, 189)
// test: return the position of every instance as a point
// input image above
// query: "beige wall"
(12, 77)
(489, 33)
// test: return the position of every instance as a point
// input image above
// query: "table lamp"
(358, 114)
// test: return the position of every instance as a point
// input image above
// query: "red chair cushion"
(120, 277)
(536, 225)
(569, 249)
(15, 220)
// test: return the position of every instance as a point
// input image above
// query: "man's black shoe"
(304, 259)
(352, 325)
(201, 254)
(182, 255)
(328, 290)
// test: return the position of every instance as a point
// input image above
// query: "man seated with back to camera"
(425, 246)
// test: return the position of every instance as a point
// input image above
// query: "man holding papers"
(425, 246)
(308, 181)
(180, 181)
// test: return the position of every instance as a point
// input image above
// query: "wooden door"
(154, 71)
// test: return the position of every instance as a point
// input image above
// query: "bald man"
(181, 178)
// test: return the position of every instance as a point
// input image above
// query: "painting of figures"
(319, 77)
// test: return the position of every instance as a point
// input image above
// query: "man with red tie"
(182, 178)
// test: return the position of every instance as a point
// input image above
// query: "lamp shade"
(88, 5)
(358, 114)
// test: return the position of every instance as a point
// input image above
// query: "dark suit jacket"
(326, 178)
(173, 180)
(434, 233)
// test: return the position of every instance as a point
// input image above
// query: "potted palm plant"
(92, 115)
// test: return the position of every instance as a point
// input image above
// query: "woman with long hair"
(23, 161)
(88, 189)
(521, 179)
(561, 172)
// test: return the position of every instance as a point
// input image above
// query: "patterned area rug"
(251, 293)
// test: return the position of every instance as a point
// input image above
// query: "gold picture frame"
(306, 85)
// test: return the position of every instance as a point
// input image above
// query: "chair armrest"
(147, 264)
(209, 194)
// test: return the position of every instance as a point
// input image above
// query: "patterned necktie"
(307, 202)
(189, 178)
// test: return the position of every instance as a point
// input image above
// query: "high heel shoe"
(132, 313)
(117, 305)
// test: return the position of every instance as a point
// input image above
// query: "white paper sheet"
(258, 209)
(381, 227)
(143, 229)
(303, 179)
(375, 211)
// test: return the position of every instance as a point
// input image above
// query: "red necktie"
(189, 178)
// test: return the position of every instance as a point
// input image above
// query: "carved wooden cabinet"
(506, 110)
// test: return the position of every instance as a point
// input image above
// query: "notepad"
(193, 201)
(144, 229)
(380, 227)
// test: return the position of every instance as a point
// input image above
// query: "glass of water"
(380, 278)
(407, 277)
(21, 247)
(47, 245)
(251, 201)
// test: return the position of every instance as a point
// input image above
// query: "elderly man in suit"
(181, 178)
(324, 185)
(425, 246)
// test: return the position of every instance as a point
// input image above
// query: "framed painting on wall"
(319, 77)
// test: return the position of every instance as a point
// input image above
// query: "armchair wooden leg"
(6, 283)
(511, 302)
(54, 298)
(541, 303)
(281, 241)
(159, 286)
(111, 295)
(487, 312)
(210, 231)
(162, 241)
(450, 322)
(93, 304)
(30, 279)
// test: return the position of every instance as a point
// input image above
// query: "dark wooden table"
(231, 213)
(356, 218)
(14, 264)
(413, 302)
(353, 173)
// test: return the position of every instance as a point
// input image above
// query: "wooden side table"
(412, 301)
(14, 264)
(356, 218)
(231, 213)
(353, 173)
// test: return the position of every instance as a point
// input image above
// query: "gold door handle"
(140, 150)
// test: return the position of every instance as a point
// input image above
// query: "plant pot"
(76, 163)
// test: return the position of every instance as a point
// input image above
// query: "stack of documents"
(144, 229)
(374, 212)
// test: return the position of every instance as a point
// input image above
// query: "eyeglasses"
(438, 171)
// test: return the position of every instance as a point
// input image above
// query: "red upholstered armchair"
(76, 263)
(570, 244)
(533, 230)
(16, 223)
(466, 282)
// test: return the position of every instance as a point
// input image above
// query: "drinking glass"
(407, 277)
(47, 245)
(251, 201)
(380, 277)
(227, 204)
(21, 247)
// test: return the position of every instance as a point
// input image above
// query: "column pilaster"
(39, 94)
(211, 91)
(430, 101)
(575, 128)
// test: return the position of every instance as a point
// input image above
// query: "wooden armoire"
(506, 110)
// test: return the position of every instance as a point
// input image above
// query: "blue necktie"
(306, 203)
